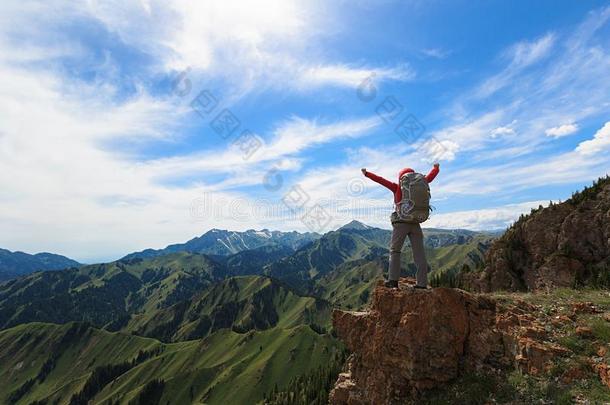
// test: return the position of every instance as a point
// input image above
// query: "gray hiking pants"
(399, 234)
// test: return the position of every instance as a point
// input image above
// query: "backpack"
(415, 203)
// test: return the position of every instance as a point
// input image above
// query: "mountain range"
(221, 242)
(15, 264)
(225, 314)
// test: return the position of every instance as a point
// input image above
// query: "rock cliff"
(413, 340)
(562, 245)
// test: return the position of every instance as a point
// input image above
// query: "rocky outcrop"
(413, 340)
(558, 246)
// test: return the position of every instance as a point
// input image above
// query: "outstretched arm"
(378, 179)
(433, 173)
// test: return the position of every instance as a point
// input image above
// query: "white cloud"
(92, 203)
(504, 130)
(501, 131)
(483, 219)
(65, 189)
(290, 138)
(561, 79)
(352, 77)
(599, 143)
(433, 150)
(562, 130)
(253, 45)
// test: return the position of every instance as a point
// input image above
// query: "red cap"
(405, 170)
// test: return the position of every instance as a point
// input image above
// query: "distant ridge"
(16, 264)
(224, 243)
(219, 242)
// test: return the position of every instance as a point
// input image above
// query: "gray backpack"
(415, 203)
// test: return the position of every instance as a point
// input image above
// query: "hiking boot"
(391, 284)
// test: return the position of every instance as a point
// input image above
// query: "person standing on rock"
(412, 207)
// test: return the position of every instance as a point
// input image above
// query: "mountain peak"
(357, 225)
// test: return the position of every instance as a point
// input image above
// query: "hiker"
(412, 207)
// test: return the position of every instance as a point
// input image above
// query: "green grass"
(351, 285)
(226, 367)
(245, 302)
(601, 329)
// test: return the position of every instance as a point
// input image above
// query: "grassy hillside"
(54, 363)
(324, 255)
(106, 294)
(238, 303)
(351, 285)
(252, 261)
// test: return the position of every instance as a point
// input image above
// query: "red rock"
(603, 370)
(572, 374)
(584, 331)
(535, 332)
(584, 308)
(561, 320)
(557, 349)
(414, 340)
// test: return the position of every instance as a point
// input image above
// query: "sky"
(126, 125)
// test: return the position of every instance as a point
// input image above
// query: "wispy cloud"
(520, 56)
(287, 140)
(251, 46)
(351, 77)
(437, 53)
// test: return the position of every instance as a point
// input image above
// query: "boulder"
(413, 340)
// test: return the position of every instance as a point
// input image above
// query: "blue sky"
(102, 152)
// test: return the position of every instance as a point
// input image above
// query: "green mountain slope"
(61, 364)
(106, 294)
(326, 254)
(238, 303)
(253, 261)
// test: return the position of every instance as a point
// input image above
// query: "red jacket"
(394, 187)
